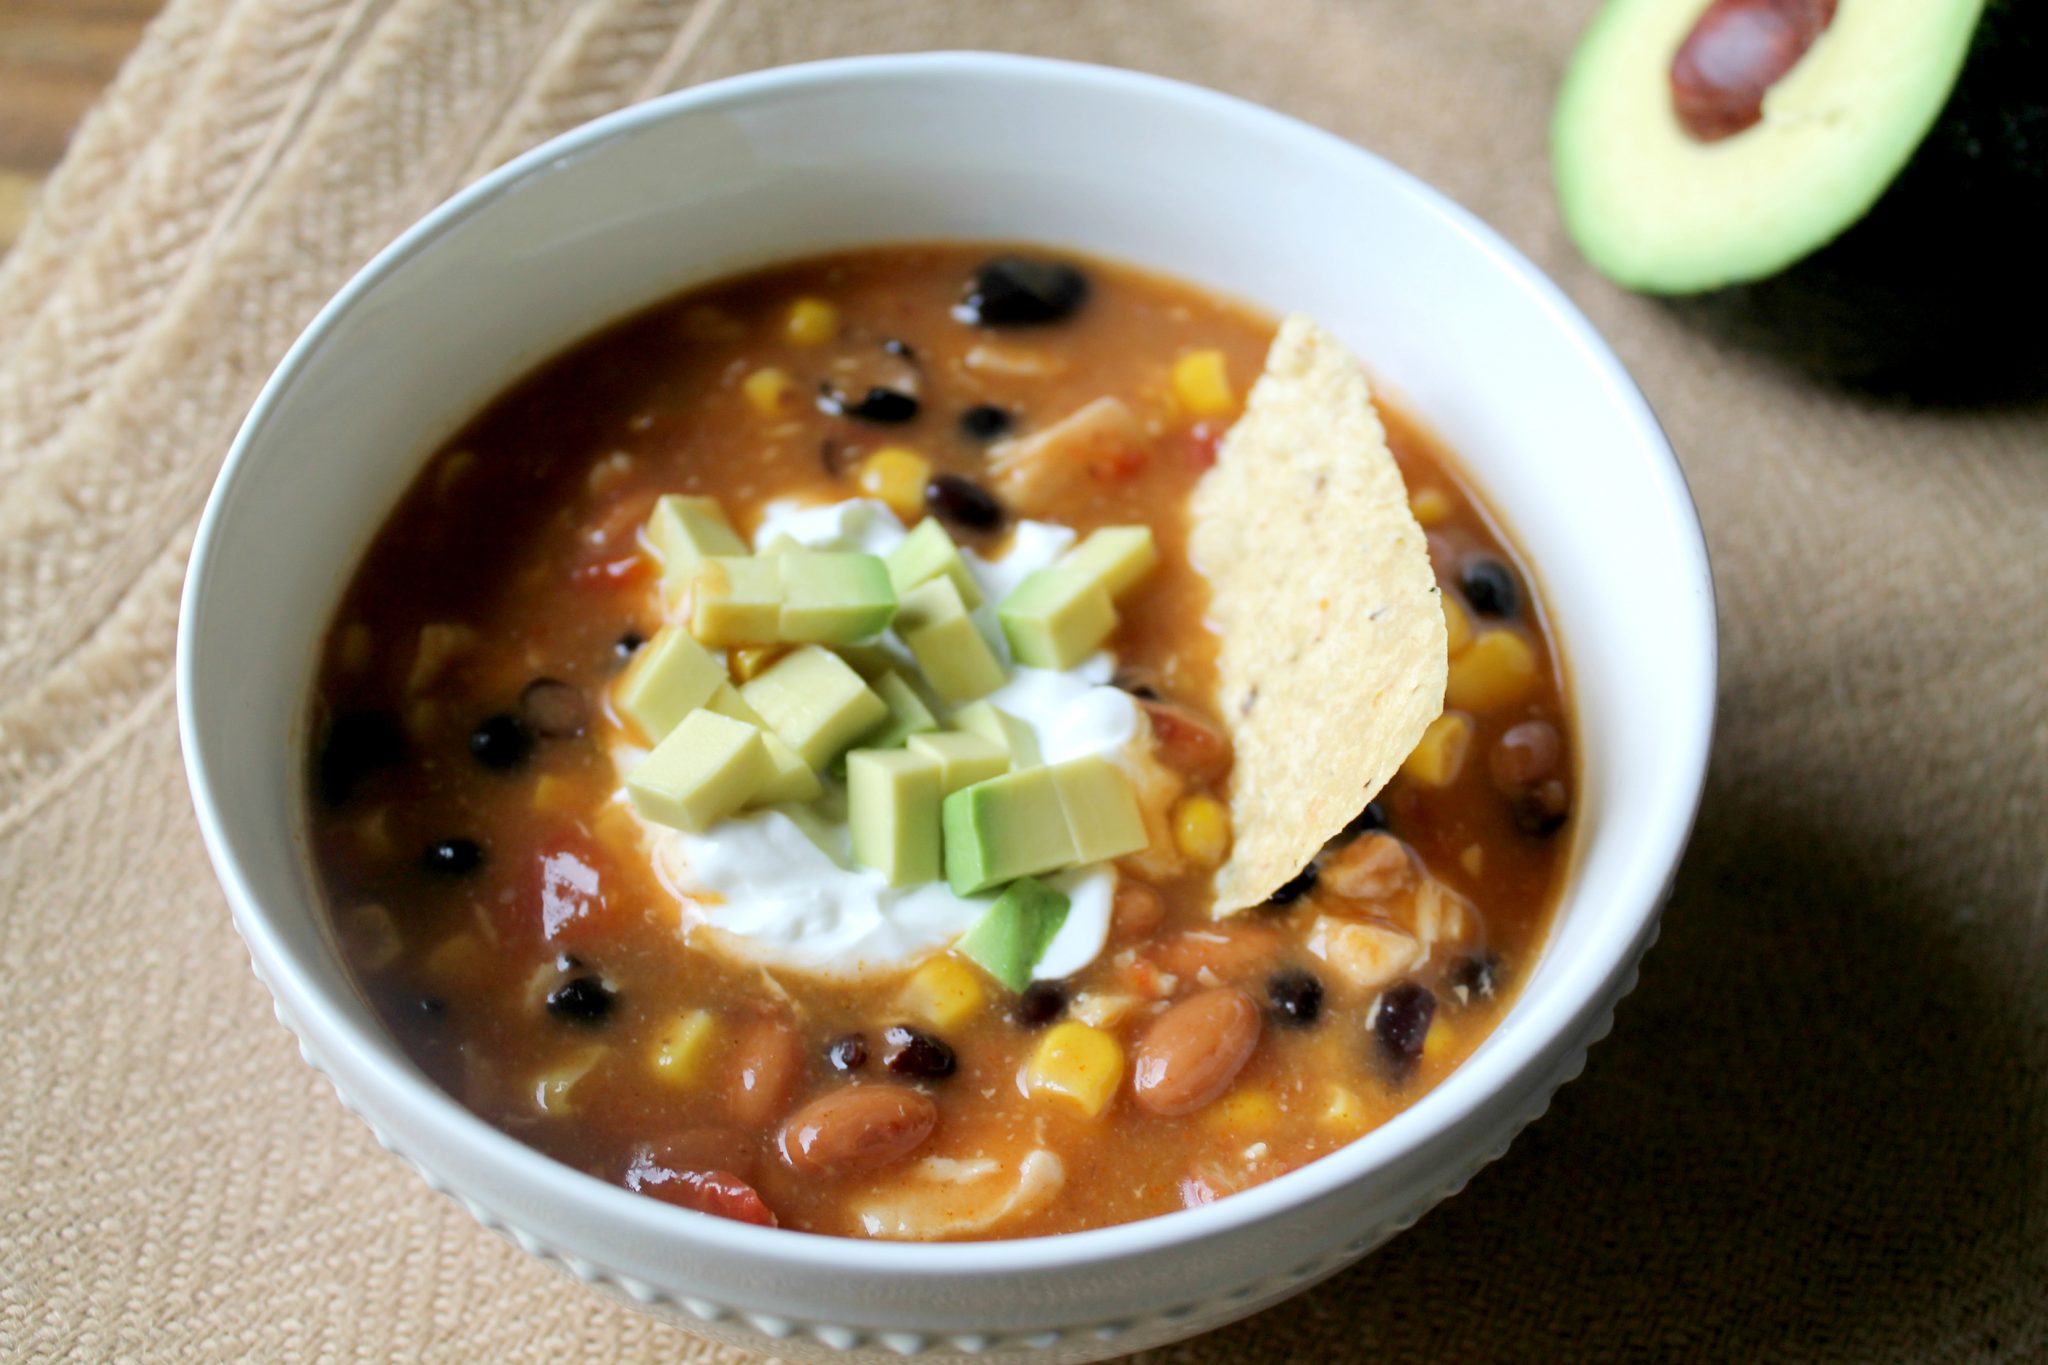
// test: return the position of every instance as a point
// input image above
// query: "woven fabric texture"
(1817, 1132)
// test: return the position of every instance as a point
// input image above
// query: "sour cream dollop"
(778, 887)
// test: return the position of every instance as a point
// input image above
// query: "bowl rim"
(1593, 981)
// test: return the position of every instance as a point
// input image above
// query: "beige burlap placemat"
(1817, 1133)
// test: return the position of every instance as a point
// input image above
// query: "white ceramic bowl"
(1460, 328)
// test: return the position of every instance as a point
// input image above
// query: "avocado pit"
(1737, 51)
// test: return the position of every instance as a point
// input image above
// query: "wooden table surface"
(55, 57)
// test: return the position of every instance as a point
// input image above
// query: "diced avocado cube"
(673, 676)
(792, 779)
(1056, 617)
(737, 601)
(926, 553)
(683, 533)
(707, 768)
(892, 804)
(871, 659)
(1005, 828)
(964, 758)
(815, 703)
(948, 646)
(908, 715)
(1019, 740)
(1117, 557)
(1102, 808)
(834, 598)
(1007, 941)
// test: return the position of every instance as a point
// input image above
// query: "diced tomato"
(1119, 465)
(1188, 742)
(719, 1193)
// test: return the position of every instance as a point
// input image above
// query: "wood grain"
(55, 58)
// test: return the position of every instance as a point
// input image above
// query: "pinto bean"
(1194, 1051)
(767, 1059)
(1189, 742)
(857, 1128)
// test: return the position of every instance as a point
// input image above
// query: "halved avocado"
(1881, 215)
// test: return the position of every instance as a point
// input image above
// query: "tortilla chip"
(1333, 655)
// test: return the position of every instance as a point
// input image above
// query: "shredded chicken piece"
(1365, 954)
(1030, 470)
(948, 1197)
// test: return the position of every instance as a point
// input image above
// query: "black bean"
(581, 1000)
(1040, 1004)
(1297, 997)
(1295, 887)
(453, 857)
(899, 348)
(1020, 291)
(1368, 821)
(627, 645)
(1489, 586)
(1475, 976)
(1541, 810)
(1401, 1023)
(358, 743)
(848, 1053)
(501, 742)
(884, 407)
(963, 502)
(984, 422)
(430, 1006)
(553, 709)
(910, 1052)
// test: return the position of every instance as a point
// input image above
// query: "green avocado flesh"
(1661, 211)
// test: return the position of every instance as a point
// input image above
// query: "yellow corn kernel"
(1243, 1111)
(456, 960)
(554, 1090)
(1473, 860)
(1437, 1041)
(812, 322)
(944, 992)
(1498, 669)
(682, 1050)
(1201, 829)
(1079, 1064)
(1430, 505)
(373, 833)
(1457, 627)
(554, 794)
(618, 829)
(1345, 1109)
(1440, 756)
(767, 390)
(752, 661)
(896, 476)
(372, 937)
(1202, 384)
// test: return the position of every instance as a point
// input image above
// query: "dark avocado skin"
(1940, 292)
